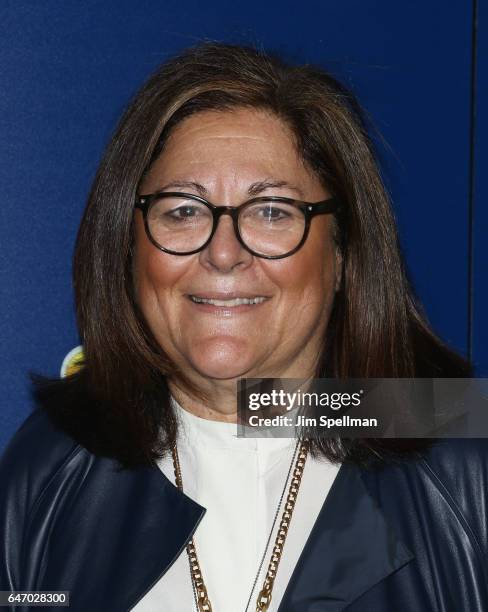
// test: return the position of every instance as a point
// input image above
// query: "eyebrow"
(261, 186)
(253, 190)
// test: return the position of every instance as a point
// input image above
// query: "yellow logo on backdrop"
(72, 362)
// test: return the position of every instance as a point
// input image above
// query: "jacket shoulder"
(454, 456)
(36, 451)
(448, 482)
(460, 465)
(34, 455)
(459, 469)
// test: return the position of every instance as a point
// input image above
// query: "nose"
(224, 252)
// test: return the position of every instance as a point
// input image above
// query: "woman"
(238, 227)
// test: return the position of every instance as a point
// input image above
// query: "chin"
(222, 358)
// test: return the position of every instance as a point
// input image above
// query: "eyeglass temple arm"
(327, 206)
(141, 203)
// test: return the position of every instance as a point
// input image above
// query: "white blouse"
(239, 481)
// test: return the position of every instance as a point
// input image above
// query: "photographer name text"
(306, 421)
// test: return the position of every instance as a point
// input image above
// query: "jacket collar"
(162, 527)
(350, 549)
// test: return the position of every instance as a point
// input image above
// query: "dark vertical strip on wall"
(472, 176)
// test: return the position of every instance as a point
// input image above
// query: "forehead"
(237, 145)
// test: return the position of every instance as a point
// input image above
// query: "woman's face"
(227, 156)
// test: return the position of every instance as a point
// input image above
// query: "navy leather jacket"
(406, 537)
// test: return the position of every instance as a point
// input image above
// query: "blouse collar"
(219, 434)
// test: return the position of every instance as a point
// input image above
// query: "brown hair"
(118, 405)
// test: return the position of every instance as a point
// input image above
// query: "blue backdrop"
(68, 68)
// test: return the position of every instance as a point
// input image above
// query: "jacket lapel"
(110, 547)
(350, 549)
(163, 530)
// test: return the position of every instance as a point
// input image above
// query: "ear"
(338, 269)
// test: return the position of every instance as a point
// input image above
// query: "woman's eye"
(272, 213)
(171, 212)
(184, 212)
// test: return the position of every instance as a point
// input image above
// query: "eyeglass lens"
(183, 225)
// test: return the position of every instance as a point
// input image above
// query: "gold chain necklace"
(264, 597)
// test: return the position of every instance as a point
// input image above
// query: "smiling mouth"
(229, 303)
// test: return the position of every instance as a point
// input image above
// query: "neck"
(223, 397)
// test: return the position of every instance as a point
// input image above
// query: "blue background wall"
(69, 67)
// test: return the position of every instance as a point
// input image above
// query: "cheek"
(155, 273)
(307, 278)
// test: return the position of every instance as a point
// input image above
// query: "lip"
(226, 311)
(230, 295)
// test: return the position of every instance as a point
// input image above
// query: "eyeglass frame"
(309, 210)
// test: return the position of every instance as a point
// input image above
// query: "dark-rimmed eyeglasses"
(267, 226)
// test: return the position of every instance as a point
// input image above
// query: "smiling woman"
(238, 227)
(230, 156)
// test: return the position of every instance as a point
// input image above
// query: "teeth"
(234, 302)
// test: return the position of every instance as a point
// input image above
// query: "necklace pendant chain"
(264, 598)
(203, 601)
